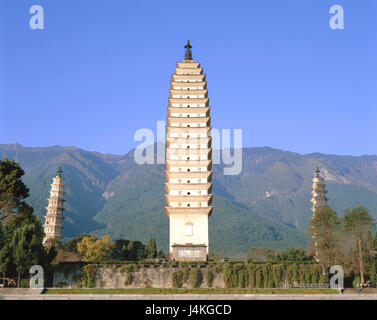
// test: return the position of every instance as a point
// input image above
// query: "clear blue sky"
(101, 70)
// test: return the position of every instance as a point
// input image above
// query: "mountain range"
(267, 204)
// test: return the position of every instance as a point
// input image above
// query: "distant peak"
(13, 145)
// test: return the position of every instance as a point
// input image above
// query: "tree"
(26, 248)
(13, 191)
(71, 245)
(212, 256)
(131, 251)
(261, 253)
(21, 232)
(123, 250)
(357, 223)
(291, 254)
(326, 229)
(25, 235)
(160, 254)
(119, 251)
(93, 250)
(151, 248)
(5, 253)
(373, 267)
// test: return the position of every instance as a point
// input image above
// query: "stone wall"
(67, 274)
(117, 276)
(172, 275)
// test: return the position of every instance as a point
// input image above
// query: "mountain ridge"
(269, 199)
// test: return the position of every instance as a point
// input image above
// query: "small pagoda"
(54, 216)
(319, 199)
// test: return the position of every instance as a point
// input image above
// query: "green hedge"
(195, 277)
(88, 275)
(267, 275)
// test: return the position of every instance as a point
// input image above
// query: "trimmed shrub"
(217, 268)
(251, 274)
(258, 277)
(186, 274)
(227, 276)
(356, 281)
(177, 279)
(209, 278)
(88, 274)
(129, 279)
(242, 279)
(195, 278)
(131, 268)
(277, 275)
(25, 283)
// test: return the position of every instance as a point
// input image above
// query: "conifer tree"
(358, 224)
(131, 251)
(5, 253)
(326, 228)
(21, 232)
(13, 191)
(151, 248)
(26, 243)
(160, 254)
(373, 268)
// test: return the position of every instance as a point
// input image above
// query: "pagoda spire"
(54, 211)
(59, 172)
(188, 55)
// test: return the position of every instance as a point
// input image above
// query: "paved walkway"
(188, 297)
(36, 294)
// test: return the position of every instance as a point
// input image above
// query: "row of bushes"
(271, 275)
(194, 276)
(234, 275)
(202, 264)
(252, 275)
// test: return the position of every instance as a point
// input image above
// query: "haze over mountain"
(267, 204)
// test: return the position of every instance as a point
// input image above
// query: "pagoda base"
(189, 252)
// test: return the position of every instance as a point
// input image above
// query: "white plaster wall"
(184, 169)
(192, 204)
(198, 192)
(177, 229)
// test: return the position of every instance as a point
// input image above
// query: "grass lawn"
(191, 291)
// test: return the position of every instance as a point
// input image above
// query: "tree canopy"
(291, 254)
(21, 232)
(358, 225)
(93, 250)
(326, 231)
(13, 191)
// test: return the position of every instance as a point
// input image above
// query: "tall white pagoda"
(54, 216)
(319, 199)
(188, 162)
